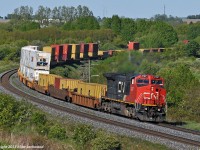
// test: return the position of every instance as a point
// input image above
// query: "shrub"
(192, 48)
(57, 132)
(83, 134)
(38, 118)
(42, 129)
(105, 142)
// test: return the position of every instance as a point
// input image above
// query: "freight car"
(134, 96)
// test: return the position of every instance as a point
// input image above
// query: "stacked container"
(67, 51)
(93, 50)
(47, 49)
(133, 46)
(60, 55)
(47, 79)
(55, 52)
(84, 48)
(154, 50)
(75, 51)
(103, 54)
(34, 62)
(144, 50)
(67, 84)
(91, 89)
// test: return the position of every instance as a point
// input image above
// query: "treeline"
(61, 13)
(193, 17)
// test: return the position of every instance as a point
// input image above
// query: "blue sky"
(107, 8)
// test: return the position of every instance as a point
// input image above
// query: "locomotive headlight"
(158, 109)
(145, 108)
(151, 88)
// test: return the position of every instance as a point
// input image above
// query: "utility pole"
(89, 70)
(85, 69)
(164, 9)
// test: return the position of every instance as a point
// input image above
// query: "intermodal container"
(60, 52)
(84, 48)
(144, 50)
(69, 84)
(67, 51)
(57, 83)
(105, 54)
(31, 57)
(33, 75)
(110, 52)
(75, 51)
(100, 53)
(93, 47)
(75, 48)
(43, 80)
(154, 50)
(51, 78)
(161, 49)
(91, 89)
(47, 49)
(90, 54)
(47, 79)
(81, 55)
(133, 46)
(55, 49)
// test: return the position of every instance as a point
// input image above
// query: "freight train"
(130, 95)
(75, 52)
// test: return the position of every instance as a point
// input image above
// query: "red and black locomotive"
(137, 96)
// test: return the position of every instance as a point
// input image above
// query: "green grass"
(138, 144)
(7, 65)
(192, 125)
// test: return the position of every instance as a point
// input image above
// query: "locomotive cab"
(148, 94)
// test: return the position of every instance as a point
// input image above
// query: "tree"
(83, 11)
(192, 48)
(106, 23)
(193, 31)
(57, 14)
(22, 13)
(43, 15)
(147, 67)
(116, 24)
(178, 81)
(128, 29)
(162, 33)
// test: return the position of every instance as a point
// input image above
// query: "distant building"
(188, 21)
(4, 20)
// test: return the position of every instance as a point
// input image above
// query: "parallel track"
(5, 83)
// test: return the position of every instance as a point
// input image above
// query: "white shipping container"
(22, 69)
(33, 75)
(32, 58)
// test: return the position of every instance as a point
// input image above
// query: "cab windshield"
(142, 82)
(156, 82)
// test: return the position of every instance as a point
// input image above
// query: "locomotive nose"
(155, 88)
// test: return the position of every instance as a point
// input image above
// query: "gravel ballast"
(171, 144)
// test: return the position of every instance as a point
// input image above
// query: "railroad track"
(174, 127)
(6, 84)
